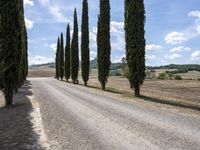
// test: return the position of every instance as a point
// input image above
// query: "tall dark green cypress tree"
(26, 51)
(135, 42)
(104, 48)
(57, 64)
(97, 38)
(67, 55)
(61, 60)
(20, 43)
(85, 51)
(10, 52)
(75, 51)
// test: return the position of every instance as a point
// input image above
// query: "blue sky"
(172, 29)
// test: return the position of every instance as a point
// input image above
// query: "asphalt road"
(76, 118)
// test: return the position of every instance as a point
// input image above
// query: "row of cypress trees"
(69, 66)
(13, 48)
(135, 45)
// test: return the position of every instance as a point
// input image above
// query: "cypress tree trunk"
(103, 40)
(67, 55)
(9, 96)
(85, 52)
(135, 42)
(61, 60)
(75, 51)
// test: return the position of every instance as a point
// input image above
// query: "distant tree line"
(13, 48)
(68, 66)
(188, 67)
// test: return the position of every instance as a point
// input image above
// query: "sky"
(172, 29)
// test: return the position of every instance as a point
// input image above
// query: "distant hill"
(115, 66)
(93, 63)
(48, 65)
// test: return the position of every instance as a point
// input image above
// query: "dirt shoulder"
(184, 93)
(21, 125)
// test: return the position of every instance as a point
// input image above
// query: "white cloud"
(153, 47)
(195, 55)
(173, 56)
(117, 39)
(194, 14)
(190, 32)
(28, 2)
(117, 59)
(117, 36)
(93, 55)
(56, 12)
(116, 26)
(197, 23)
(46, 44)
(44, 2)
(29, 23)
(40, 60)
(150, 57)
(175, 38)
(53, 46)
(198, 28)
(179, 49)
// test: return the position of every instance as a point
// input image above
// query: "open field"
(190, 75)
(41, 72)
(181, 91)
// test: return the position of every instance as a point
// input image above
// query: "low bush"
(115, 73)
(178, 77)
(162, 76)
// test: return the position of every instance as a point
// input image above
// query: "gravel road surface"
(77, 118)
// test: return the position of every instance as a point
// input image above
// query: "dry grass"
(41, 72)
(2, 101)
(190, 75)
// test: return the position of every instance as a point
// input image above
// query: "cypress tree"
(85, 51)
(57, 66)
(19, 63)
(22, 47)
(26, 51)
(135, 42)
(67, 54)
(61, 59)
(75, 51)
(104, 48)
(9, 49)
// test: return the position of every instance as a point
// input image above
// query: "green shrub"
(115, 73)
(162, 76)
(126, 72)
(178, 77)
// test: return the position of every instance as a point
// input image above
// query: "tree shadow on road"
(170, 102)
(16, 127)
(108, 89)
